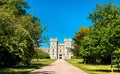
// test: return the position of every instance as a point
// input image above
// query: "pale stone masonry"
(60, 51)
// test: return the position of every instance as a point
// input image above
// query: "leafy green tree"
(40, 54)
(77, 40)
(106, 21)
(102, 40)
(117, 58)
(19, 32)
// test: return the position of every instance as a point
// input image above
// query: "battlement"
(67, 39)
(53, 39)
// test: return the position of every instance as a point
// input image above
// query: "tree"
(40, 54)
(78, 38)
(117, 58)
(102, 40)
(106, 21)
(19, 31)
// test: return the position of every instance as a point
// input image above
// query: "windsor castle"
(60, 51)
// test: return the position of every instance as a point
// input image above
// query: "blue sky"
(64, 18)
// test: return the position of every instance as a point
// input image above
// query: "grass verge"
(92, 69)
(35, 64)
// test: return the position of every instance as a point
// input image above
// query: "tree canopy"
(19, 33)
(103, 38)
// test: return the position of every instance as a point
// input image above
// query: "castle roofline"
(53, 39)
(67, 39)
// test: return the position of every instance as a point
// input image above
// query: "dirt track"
(59, 67)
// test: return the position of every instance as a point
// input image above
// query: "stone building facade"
(60, 51)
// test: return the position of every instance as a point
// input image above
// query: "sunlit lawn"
(92, 69)
(25, 69)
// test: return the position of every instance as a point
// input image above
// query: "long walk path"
(59, 67)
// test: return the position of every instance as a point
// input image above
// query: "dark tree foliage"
(19, 33)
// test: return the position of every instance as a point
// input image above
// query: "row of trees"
(20, 32)
(40, 54)
(100, 43)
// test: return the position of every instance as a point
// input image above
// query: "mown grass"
(92, 69)
(35, 64)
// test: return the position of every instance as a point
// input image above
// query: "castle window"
(53, 51)
(67, 52)
(53, 43)
(67, 43)
(60, 50)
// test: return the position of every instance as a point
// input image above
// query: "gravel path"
(59, 67)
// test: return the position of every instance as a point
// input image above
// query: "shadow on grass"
(20, 71)
(13, 72)
(92, 64)
(104, 70)
(36, 66)
(80, 63)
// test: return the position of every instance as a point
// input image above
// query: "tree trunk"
(118, 67)
(111, 62)
(118, 64)
(84, 61)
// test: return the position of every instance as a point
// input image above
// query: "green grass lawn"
(25, 69)
(92, 69)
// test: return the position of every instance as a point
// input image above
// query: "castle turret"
(68, 45)
(53, 48)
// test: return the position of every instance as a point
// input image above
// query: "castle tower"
(53, 48)
(61, 50)
(68, 46)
